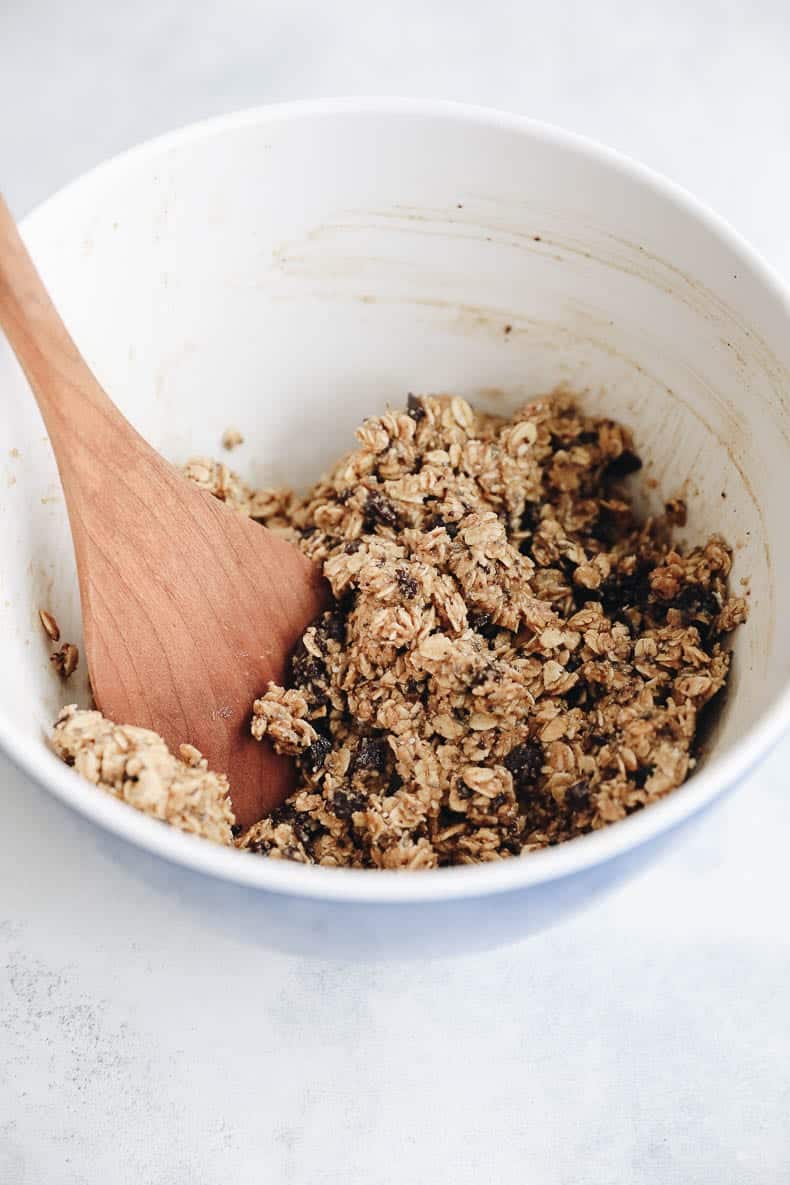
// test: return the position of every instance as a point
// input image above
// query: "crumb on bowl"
(51, 627)
(135, 765)
(65, 660)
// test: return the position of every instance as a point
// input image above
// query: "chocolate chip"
(573, 663)
(695, 599)
(606, 528)
(352, 547)
(624, 591)
(305, 667)
(331, 628)
(406, 583)
(627, 462)
(588, 438)
(577, 796)
(379, 511)
(306, 829)
(640, 776)
(582, 595)
(530, 517)
(482, 624)
(525, 763)
(415, 408)
(260, 848)
(344, 803)
(236, 830)
(314, 755)
(371, 754)
(437, 521)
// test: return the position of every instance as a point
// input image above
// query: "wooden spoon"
(188, 607)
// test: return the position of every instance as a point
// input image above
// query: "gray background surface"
(144, 1040)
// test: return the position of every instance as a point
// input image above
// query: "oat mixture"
(135, 765)
(513, 657)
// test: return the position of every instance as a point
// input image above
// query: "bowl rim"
(393, 887)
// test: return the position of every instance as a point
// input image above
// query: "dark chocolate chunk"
(314, 755)
(331, 627)
(437, 521)
(625, 590)
(627, 462)
(482, 624)
(344, 803)
(406, 583)
(525, 763)
(530, 518)
(694, 599)
(379, 511)
(371, 754)
(305, 667)
(577, 796)
(582, 595)
(415, 408)
(606, 528)
(640, 776)
(306, 829)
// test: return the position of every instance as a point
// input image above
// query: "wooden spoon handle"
(66, 391)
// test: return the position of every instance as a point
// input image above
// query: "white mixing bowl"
(293, 269)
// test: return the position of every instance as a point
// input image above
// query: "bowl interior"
(291, 272)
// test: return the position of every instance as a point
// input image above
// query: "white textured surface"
(144, 1038)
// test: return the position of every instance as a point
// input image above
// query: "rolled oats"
(513, 657)
(135, 765)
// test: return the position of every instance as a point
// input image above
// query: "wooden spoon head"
(189, 610)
